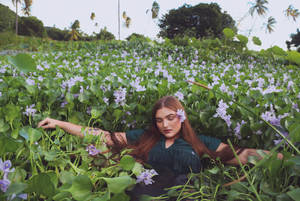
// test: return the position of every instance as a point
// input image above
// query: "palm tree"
(127, 19)
(15, 2)
(259, 7)
(155, 10)
(93, 16)
(74, 34)
(27, 7)
(270, 24)
(293, 12)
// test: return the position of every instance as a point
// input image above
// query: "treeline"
(32, 26)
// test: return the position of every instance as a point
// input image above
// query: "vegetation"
(200, 21)
(31, 26)
(7, 19)
(80, 83)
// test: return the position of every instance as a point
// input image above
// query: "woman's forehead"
(163, 112)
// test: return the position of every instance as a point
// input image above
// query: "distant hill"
(7, 18)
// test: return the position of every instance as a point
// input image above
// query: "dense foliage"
(105, 35)
(295, 40)
(7, 18)
(113, 86)
(57, 34)
(202, 20)
(31, 26)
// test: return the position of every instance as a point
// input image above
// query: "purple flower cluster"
(146, 177)
(93, 151)
(179, 95)
(136, 84)
(5, 169)
(270, 116)
(237, 130)
(70, 83)
(120, 96)
(30, 82)
(30, 111)
(221, 112)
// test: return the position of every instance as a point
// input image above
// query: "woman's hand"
(49, 123)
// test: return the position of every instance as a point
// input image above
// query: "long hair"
(152, 135)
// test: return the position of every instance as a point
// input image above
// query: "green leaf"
(214, 170)
(42, 185)
(3, 126)
(294, 194)
(137, 169)
(23, 62)
(12, 112)
(15, 188)
(119, 184)
(278, 51)
(30, 134)
(127, 162)
(256, 41)
(243, 39)
(294, 57)
(294, 131)
(8, 144)
(229, 33)
(81, 187)
(62, 196)
(117, 114)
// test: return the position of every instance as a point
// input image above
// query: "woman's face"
(167, 122)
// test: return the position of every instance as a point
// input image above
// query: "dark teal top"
(180, 157)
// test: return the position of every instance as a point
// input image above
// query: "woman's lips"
(167, 131)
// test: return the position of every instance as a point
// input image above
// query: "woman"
(170, 143)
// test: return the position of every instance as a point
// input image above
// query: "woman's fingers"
(46, 123)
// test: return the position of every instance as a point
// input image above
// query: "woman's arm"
(243, 156)
(77, 130)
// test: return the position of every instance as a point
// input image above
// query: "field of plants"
(253, 101)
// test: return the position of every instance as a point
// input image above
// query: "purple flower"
(30, 81)
(179, 95)
(146, 177)
(93, 151)
(221, 112)
(23, 196)
(181, 115)
(30, 111)
(120, 96)
(4, 183)
(237, 129)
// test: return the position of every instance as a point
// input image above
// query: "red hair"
(152, 135)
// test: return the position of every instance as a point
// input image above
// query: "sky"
(62, 13)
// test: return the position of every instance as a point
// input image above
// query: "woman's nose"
(165, 123)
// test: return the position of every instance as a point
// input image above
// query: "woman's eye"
(171, 118)
(158, 120)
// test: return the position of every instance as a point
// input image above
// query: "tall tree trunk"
(16, 17)
(119, 19)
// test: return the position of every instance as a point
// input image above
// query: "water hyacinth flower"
(120, 96)
(179, 95)
(93, 151)
(4, 183)
(30, 111)
(146, 177)
(221, 112)
(181, 115)
(30, 82)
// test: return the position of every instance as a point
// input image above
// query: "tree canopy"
(201, 20)
(295, 42)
